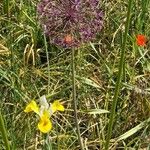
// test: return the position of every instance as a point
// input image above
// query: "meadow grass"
(31, 67)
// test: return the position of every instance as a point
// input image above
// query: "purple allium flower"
(80, 20)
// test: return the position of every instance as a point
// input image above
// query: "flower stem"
(6, 7)
(75, 101)
(48, 66)
(4, 133)
(47, 144)
(119, 78)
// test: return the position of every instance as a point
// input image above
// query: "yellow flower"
(32, 106)
(45, 112)
(56, 105)
(45, 124)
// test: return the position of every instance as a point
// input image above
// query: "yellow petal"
(56, 105)
(45, 114)
(32, 106)
(45, 124)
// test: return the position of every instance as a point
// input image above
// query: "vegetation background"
(26, 73)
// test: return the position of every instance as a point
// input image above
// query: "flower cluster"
(76, 20)
(44, 112)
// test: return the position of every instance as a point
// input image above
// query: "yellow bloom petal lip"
(32, 106)
(45, 124)
(45, 114)
(56, 105)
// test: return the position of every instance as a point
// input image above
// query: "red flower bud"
(141, 40)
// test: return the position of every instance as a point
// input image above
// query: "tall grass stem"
(75, 100)
(119, 78)
(145, 6)
(6, 7)
(48, 66)
(4, 133)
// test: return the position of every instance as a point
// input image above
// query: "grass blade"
(4, 133)
(133, 130)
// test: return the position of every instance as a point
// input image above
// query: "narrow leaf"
(97, 111)
(133, 130)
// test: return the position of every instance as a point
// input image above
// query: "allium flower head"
(70, 23)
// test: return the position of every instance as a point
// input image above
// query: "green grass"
(25, 76)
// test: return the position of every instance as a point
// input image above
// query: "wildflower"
(141, 40)
(44, 112)
(82, 19)
(32, 106)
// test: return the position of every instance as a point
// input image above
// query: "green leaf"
(88, 82)
(133, 130)
(97, 111)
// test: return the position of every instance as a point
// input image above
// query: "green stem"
(47, 143)
(48, 66)
(118, 84)
(4, 133)
(6, 7)
(143, 21)
(75, 101)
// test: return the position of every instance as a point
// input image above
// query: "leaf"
(133, 130)
(97, 111)
(88, 81)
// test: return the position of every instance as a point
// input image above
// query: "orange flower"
(141, 40)
(68, 39)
